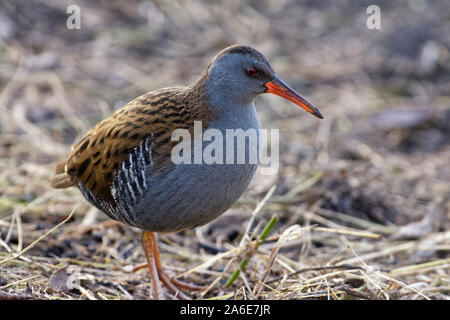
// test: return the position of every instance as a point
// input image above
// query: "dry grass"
(362, 198)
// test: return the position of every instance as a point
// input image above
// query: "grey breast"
(188, 195)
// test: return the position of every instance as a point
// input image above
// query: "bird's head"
(240, 73)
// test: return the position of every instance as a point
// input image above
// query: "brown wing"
(102, 150)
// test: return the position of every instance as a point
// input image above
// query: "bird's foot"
(157, 273)
(173, 284)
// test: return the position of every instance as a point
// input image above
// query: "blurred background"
(378, 163)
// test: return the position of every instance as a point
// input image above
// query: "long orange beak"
(278, 87)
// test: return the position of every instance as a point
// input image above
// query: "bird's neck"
(224, 107)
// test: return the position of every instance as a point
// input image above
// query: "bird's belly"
(194, 194)
(191, 195)
(187, 196)
(183, 195)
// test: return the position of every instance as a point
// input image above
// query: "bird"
(123, 165)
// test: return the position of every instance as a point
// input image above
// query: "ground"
(362, 198)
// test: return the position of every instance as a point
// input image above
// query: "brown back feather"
(101, 151)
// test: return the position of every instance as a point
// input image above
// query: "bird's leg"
(139, 267)
(173, 284)
(151, 252)
(181, 284)
(154, 265)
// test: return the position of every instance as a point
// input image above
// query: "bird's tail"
(61, 179)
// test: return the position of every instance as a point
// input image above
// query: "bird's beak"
(278, 87)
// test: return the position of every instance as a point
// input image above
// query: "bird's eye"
(252, 72)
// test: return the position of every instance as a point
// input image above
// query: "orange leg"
(150, 249)
(154, 263)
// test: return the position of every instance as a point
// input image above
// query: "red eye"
(252, 72)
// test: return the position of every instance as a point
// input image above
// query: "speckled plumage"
(152, 116)
(145, 189)
(123, 165)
